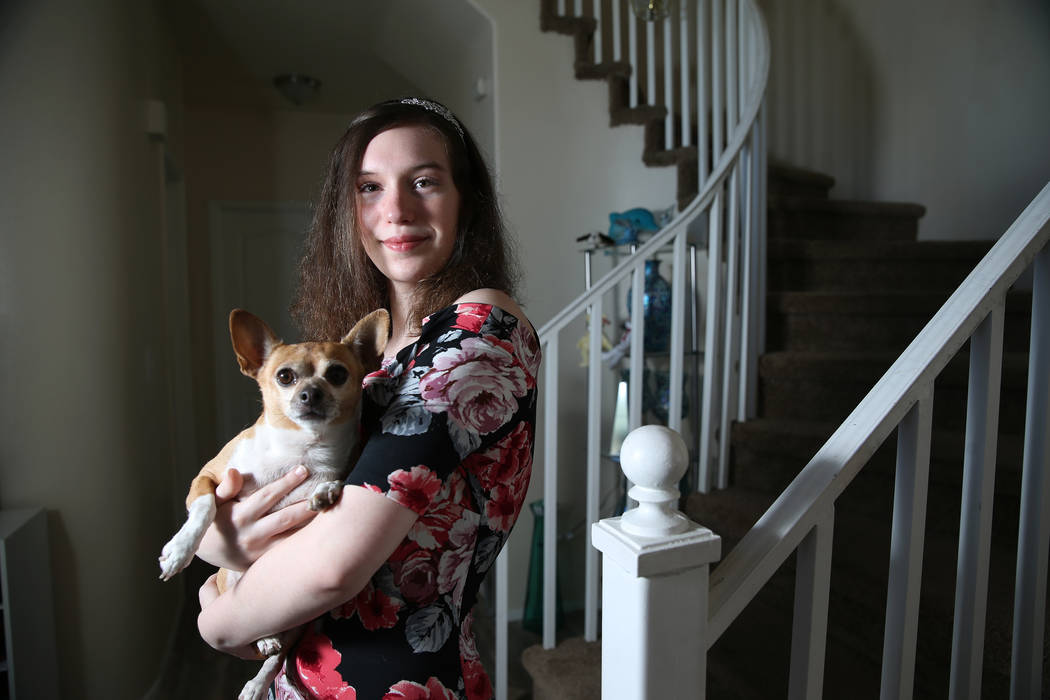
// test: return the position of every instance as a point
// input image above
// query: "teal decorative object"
(627, 227)
(532, 618)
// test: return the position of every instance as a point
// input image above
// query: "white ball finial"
(654, 458)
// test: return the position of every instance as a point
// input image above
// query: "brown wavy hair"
(339, 284)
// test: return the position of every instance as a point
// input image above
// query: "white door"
(255, 248)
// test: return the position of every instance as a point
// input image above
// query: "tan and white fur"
(311, 409)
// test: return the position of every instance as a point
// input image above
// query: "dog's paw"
(253, 690)
(268, 646)
(176, 556)
(258, 688)
(325, 495)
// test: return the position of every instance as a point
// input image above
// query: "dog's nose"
(310, 396)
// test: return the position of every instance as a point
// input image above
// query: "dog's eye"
(285, 377)
(336, 375)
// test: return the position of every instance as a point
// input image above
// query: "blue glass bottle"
(656, 308)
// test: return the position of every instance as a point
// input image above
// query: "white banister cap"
(654, 458)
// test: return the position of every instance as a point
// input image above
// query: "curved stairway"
(849, 287)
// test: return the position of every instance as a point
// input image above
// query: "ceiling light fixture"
(297, 88)
(652, 10)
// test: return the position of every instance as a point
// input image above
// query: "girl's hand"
(243, 530)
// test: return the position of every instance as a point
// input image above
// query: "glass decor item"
(656, 308)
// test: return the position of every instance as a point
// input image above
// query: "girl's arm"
(308, 573)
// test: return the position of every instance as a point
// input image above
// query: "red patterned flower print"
(468, 648)
(317, 662)
(344, 611)
(502, 509)
(414, 488)
(478, 685)
(479, 384)
(527, 347)
(380, 375)
(505, 469)
(505, 460)
(407, 690)
(432, 527)
(376, 609)
(471, 317)
(452, 569)
(416, 577)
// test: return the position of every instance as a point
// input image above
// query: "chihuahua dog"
(311, 408)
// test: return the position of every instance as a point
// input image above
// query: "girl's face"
(407, 205)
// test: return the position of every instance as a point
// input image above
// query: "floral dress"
(450, 425)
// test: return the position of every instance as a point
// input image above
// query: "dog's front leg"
(180, 549)
(257, 688)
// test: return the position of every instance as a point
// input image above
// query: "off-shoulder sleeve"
(461, 394)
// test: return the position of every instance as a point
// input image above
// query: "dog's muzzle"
(311, 403)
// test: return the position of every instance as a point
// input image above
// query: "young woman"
(408, 220)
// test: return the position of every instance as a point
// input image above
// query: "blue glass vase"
(656, 308)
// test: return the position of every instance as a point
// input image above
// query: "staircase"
(849, 288)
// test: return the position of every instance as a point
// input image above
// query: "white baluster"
(906, 544)
(684, 103)
(632, 58)
(1030, 585)
(668, 86)
(598, 52)
(550, 492)
(978, 495)
(595, 371)
(655, 578)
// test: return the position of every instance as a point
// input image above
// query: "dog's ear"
(368, 338)
(253, 341)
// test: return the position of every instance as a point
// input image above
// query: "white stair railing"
(720, 66)
(802, 518)
(656, 563)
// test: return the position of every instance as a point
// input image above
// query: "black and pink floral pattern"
(449, 425)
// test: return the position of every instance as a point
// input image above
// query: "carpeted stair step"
(828, 386)
(768, 454)
(788, 181)
(569, 671)
(870, 266)
(812, 218)
(869, 322)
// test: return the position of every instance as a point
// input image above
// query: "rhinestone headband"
(437, 109)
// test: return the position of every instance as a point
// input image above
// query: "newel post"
(655, 578)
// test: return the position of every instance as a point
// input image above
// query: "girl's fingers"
(230, 486)
(290, 517)
(209, 591)
(262, 501)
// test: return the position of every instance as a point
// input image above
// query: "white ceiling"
(360, 51)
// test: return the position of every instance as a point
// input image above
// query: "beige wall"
(940, 103)
(962, 98)
(85, 419)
